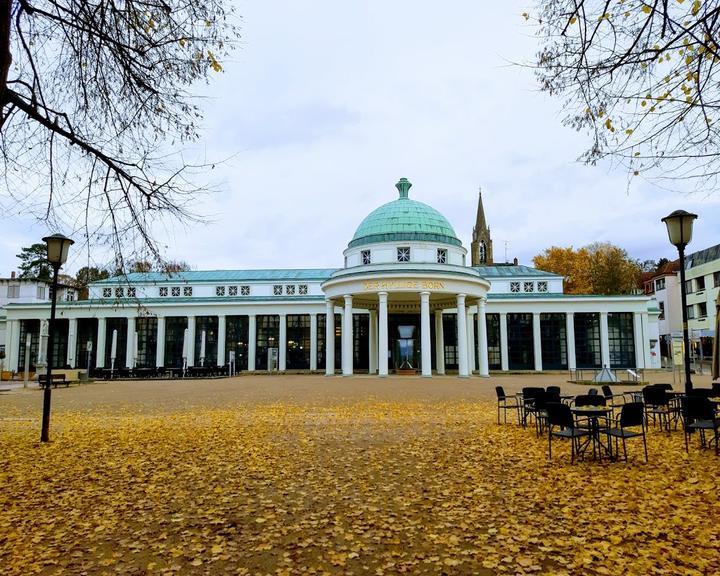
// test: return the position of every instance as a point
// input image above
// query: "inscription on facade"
(403, 285)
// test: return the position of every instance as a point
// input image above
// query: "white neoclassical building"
(406, 301)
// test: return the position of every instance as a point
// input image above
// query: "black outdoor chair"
(611, 398)
(506, 403)
(528, 404)
(631, 415)
(716, 388)
(559, 414)
(592, 391)
(699, 415)
(553, 390)
(658, 406)
(590, 400)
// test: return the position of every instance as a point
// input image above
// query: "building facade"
(405, 301)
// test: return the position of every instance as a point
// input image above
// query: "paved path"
(173, 395)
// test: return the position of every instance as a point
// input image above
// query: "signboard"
(677, 352)
(272, 363)
(403, 285)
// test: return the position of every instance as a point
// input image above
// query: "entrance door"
(404, 339)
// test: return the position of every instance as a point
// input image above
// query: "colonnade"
(468, 350)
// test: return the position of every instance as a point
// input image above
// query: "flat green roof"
(511, 271)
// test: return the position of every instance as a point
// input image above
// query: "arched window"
(482, 252)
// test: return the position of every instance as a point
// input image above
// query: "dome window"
(403, 254)
(366, 259)
(442, 256)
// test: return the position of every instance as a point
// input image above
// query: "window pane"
(621, 339)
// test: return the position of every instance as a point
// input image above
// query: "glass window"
(209, 325)
(174, 335)
(175, 291)
(514, 286)
(521, 352)
(365, 254)
(688, 287)
(690, 312)
(700, 283)
(187, 290)
(268, 330)
(290, 289)
(232, 291)
(131, 292)
(31, 327)
(111, 325)
(219, 290)
(107, 292)
(492, 322)
(41, 292)
(661, 305)
(146, 329)
(163, 291)
(303, 289)
(442, 256)
(244, 290)
(298, 341)
(277, 290)
(528, 286)
(70, 295)
(119, 292)
(237, 341)
(660, 284)
(542, 286)
(553, 337)
(403, 254)
(716, 279)
(587, 340)
(13, 291)
(702, 310)
(621, 339)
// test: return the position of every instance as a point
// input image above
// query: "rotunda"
(403, 263)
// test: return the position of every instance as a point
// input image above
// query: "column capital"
(482, 302)
(461, 298)
(382, 296)
(348, 298)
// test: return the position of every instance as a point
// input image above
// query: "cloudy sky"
(327, 104)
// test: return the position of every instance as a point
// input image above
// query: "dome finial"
(403, 186)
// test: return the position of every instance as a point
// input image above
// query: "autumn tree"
(86, 275)
(573, 265)
(599, 268)
(641, 77)
(95, 104)
(34, 263)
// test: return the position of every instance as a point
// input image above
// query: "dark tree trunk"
(5, 56)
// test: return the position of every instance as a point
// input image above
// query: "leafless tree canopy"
(642, 78)
(95, 106)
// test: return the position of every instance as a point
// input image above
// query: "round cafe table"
(593, 414)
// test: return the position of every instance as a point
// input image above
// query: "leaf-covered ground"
(357, 488)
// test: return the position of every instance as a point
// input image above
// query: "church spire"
(481, 247)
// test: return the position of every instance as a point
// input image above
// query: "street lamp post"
(680, 226)
(57, 253)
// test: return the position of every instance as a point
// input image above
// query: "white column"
(462, 337)
(470, 324)
(71, 342)
(645, 321)
(12, 340)
(282, 351)
(191, 340)
(222, 337)
(425, 350)
(570, 329)
(313, 342)
(604, 340)
(637, 338)
(252, 341)
(100, 344)
(483, 365)
(329, 338)
(537, 342)
(382, 334)
(373, 342)
(130, 344)
(504, 362)
(347, 358)
(160, 350)
(439, 344)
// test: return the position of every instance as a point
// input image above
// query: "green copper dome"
(404, 220)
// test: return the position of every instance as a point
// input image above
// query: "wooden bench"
(57, 379)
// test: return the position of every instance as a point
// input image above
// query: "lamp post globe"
(57, 253)
(680, 228)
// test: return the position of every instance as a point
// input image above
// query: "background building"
(405, 300)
